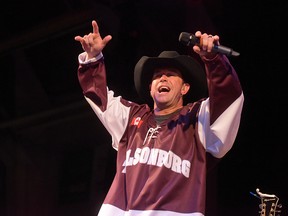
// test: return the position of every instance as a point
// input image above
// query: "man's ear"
(150, 90)
(185, 88)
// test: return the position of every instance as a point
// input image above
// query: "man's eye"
(170, 74)
(157, 76)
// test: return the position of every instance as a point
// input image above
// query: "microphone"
(191, 40)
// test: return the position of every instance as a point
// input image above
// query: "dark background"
(56, 158)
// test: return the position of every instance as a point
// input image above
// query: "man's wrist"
(85, 59)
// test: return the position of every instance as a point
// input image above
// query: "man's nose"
(163, 78)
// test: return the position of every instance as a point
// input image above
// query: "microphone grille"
(185, 38)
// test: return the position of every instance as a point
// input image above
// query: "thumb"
(78, 38)
(106, 39)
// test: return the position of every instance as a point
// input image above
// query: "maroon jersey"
(161, 165)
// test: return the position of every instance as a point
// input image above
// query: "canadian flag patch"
(136, 121)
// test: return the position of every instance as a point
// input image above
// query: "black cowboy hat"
(192, 72)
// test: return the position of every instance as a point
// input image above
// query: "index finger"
(95, 27)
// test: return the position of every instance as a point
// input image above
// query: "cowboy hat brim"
(192, 72)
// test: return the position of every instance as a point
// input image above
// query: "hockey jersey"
(161, 166)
